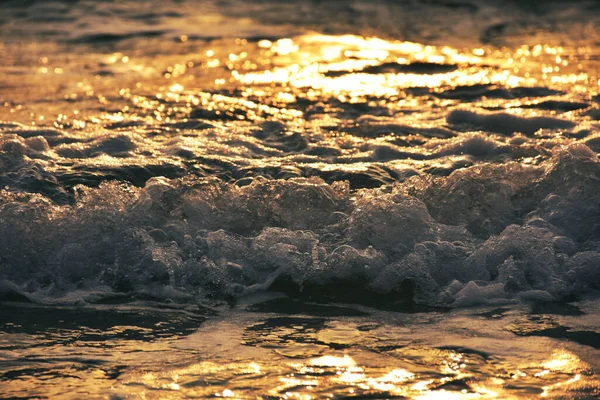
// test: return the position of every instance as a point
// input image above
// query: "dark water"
(409, 184)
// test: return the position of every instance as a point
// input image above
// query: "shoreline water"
(316, 350)
(282, 199)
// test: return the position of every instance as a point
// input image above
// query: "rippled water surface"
(290, 199)
(284, 349)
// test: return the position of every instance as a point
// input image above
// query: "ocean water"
(299, 199)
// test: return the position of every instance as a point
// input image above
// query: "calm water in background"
(290, 199)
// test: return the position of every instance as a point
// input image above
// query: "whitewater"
(286, 199)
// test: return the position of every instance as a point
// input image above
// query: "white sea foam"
(160, 160)
(485, 233)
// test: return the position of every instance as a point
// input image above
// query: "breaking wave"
(487, 233)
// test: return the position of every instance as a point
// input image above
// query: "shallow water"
(427, 166)
(286, 349)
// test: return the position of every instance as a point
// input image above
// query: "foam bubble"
(490, 233)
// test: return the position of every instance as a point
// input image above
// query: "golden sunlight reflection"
(407, 372)
(277, 79)
(339, 64)
(566, 367)
(459, 380)
(257, 175)
(289, 79)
